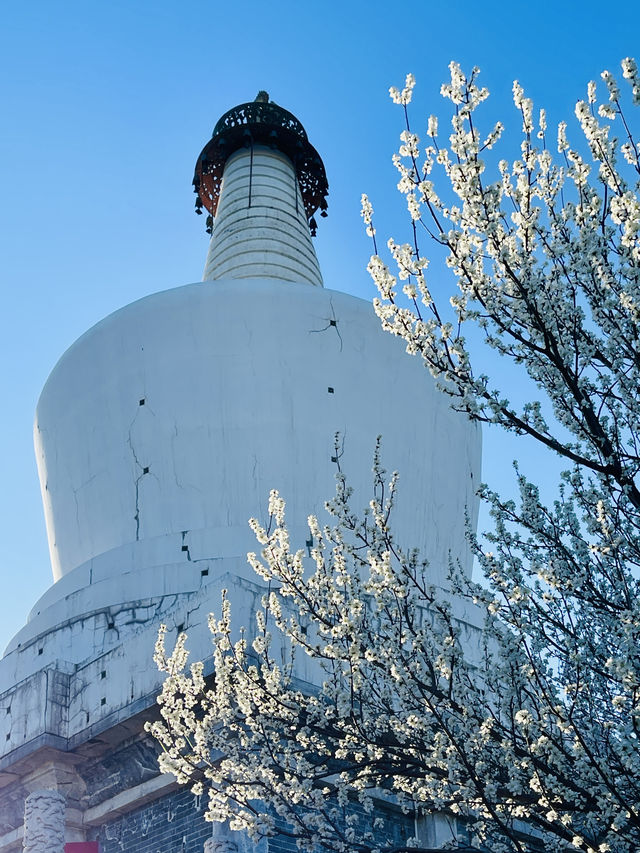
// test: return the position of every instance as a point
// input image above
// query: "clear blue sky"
(106, 106)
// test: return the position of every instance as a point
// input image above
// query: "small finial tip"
(262, 97)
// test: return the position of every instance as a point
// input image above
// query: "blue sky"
(106, 106)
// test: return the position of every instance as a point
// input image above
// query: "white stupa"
(162, 430)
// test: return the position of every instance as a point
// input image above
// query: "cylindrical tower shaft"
(260, 229)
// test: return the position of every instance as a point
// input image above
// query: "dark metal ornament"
(260, 122)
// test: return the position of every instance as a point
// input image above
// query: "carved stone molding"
(221, 840)
(224, 840)
(220, 845)
(44, 813)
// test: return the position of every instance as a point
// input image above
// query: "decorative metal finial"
(260, 122)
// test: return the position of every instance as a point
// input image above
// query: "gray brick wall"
(396, 830)
(175, 824)
(172, 824)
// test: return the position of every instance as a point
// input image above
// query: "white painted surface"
(235, 379)
(162, 430)
(69, 680)
(90, 677)
(260, 229)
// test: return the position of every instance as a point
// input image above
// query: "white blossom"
(366, 211)
(403, 97)
(530, 723)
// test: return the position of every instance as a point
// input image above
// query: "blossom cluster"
(517, 718)
(545, 257)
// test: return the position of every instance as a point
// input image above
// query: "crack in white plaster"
(155, 606)
(137, 481)
(332, 322)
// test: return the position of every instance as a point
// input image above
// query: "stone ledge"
(131, 799)
(11, 840)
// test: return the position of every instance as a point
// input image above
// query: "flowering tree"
(522, 732)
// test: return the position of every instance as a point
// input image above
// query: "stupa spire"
(262, 182)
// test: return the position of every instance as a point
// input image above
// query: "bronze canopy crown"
(260, 122)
